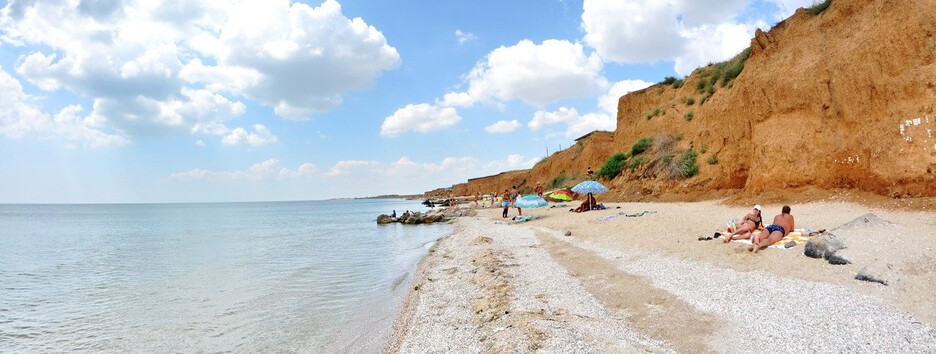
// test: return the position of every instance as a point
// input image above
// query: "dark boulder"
(820, 246)
(384, 219)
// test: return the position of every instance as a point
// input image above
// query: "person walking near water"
(538, 189)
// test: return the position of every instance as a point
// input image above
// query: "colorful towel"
(797, 236)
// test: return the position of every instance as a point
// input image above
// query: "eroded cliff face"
(842, 99)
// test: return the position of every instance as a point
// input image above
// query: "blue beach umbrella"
(589, 187)
(530, 201)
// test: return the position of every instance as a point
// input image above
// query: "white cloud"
(702, 12)
(419, 117)
(536, 74)
(266, 170)
(464, 37)
(711, 43)
(588, 123)
(690, 32)
(504, 126)
(449, 168)
(259, 137)
(347, 167)
(544, 118)
(609, 101)
(574, 123)
(155, 67)
(200, 143)
(512, 162)
(788, 7)
(632, 31)
(20, 116)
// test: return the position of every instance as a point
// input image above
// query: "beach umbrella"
(589, 187)
(530, 201)
(561, 195)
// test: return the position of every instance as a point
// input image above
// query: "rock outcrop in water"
(431, 217)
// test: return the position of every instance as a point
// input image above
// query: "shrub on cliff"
(818, 7)
(640, 146)
(612, 167)
(688, 164)
(712, 160)
(636, 162)
(558, 181)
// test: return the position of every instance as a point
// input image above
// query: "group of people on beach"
(782, 224)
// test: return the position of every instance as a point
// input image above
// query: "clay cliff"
(843, 98)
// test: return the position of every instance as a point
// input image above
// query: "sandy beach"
(646, 283)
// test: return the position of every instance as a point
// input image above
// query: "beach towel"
(524, 218)
(797, 236)
(630, 215)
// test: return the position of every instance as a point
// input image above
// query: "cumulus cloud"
(463, 37)
(259, 137)
(421, 118)
(20, 116)
(458, 168)
(152, 67)
(266, 170)
(536, 74)
(504, 126)
(632, 31)
(609, 101)
(690, 32)
(711, 43)
(574, 124)
(544, 118)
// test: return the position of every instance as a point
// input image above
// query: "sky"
(112, 101)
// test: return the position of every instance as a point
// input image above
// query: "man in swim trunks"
(782, 225)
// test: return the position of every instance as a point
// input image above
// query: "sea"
(312, 276)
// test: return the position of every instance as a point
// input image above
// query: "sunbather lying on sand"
(750, 222)
(782, 225)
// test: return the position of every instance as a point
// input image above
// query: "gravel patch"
(770, 313)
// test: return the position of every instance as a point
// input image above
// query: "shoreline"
(640, 257)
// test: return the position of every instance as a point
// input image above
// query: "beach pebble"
(568, 233)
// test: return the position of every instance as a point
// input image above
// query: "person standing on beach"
(590, 173)
(514, 197)
(782, 225)
(452, 201)
(538, 189)
(505, 202)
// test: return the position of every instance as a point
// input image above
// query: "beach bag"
(732, 225)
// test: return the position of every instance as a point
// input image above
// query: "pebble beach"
(587, 282)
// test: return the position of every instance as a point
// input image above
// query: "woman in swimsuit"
(752, 221)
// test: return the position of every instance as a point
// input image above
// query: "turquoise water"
(241, 277)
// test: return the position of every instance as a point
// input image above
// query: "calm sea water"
(242, 277)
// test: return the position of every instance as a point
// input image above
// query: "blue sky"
(105, 101)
